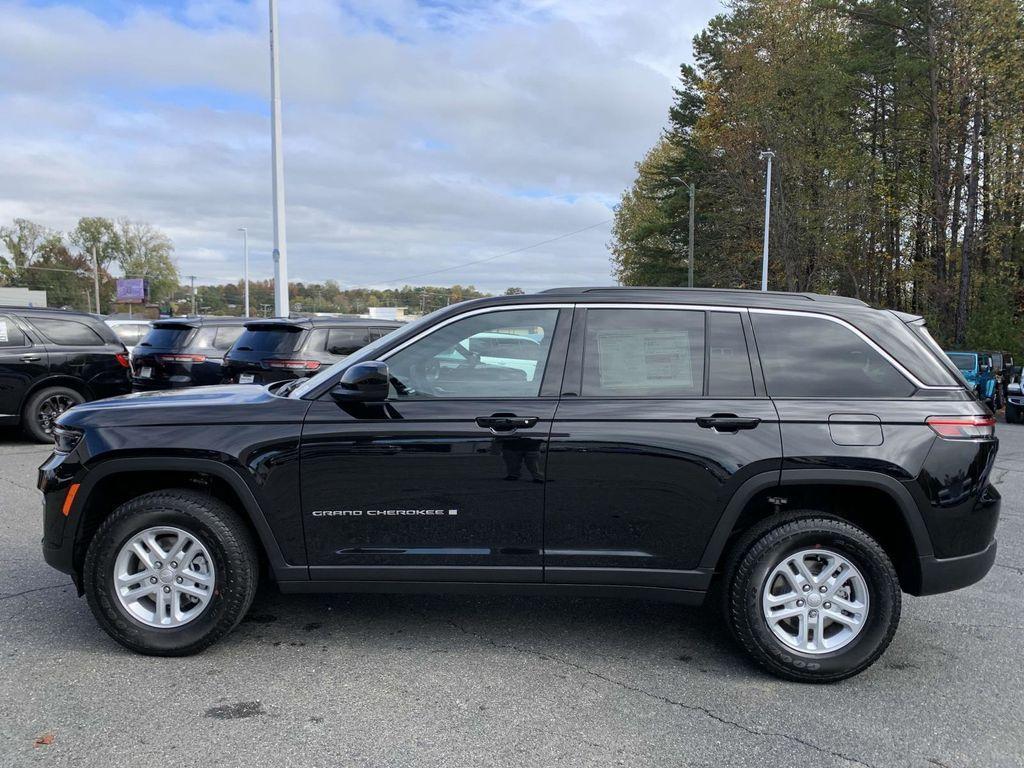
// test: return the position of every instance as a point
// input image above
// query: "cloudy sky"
(418, 136)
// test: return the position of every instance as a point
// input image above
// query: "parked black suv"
(184, 352)
(277, 349)
(806, 457)
(52, 359)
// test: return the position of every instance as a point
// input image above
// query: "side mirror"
(363, 383)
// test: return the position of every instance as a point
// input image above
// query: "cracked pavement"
(405, 680)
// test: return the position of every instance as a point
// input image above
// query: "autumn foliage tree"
(898, 128)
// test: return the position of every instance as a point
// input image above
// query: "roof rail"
(720, 292)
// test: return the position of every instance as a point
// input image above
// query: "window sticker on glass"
(637, 359)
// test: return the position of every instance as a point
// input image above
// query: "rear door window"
(806, 356)
(67, 333)
(644, 353)
(11, 335)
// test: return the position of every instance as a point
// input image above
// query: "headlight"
(65, 439)
(1014, 387)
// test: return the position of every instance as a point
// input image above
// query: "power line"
(488, 258)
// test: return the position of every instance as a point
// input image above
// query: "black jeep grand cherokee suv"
(807, 458)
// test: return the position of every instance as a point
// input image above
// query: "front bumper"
(949, 573)
(56, 476)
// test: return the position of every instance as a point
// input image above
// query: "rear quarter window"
(814, 357)
(68, 333)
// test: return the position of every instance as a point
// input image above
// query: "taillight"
(181, 358)
(962, 427)
(293, 365)
(122, 358)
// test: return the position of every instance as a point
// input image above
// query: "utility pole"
(245, 268)
(689, 258)
(767, 217)
(96, 278)
(193, 279)
(280, 250)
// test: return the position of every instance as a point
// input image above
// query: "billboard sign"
(132, 290)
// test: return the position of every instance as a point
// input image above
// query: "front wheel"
(812, 599)
(170, 572)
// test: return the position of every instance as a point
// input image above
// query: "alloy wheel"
(815, 601)
(164, 577)
(50, 408)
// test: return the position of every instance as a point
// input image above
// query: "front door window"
(496, 354)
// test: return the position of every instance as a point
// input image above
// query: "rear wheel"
(811, 598)
(170, 572)
(42, 409)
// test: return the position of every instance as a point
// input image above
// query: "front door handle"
(31, 358)
(727, 422)
(505, 422)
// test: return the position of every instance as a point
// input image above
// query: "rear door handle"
(500, 422)
(31, 358)
(727, 422)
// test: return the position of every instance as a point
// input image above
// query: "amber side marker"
(70, 498)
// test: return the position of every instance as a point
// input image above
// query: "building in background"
(22, 297)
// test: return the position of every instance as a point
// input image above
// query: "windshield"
(963, 361)
(366, 353)
(167, 337)
(277, 339)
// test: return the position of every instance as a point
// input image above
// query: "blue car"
(977, 369)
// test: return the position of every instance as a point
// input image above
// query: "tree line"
(62, 264)
(898, 132)
(328, 296)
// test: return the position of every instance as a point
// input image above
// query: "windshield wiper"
(288, 387)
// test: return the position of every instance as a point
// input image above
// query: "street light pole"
(245, 267)
(96, 278)
(767, 217)
(280, 251)
(192, 278)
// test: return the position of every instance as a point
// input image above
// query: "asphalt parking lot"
(370, 680)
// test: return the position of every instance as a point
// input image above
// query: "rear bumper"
(949, 573)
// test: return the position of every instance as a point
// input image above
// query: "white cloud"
(416, 137)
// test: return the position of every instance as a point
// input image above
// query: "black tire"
(1012, 414)
(222, 532)
(39, 425)
(755, 556)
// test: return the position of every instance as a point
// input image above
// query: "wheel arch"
(55, 380)
(113, 481)
(905, 538)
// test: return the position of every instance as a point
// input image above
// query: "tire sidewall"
(102, 591)
(29, 418)
(864, 648)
